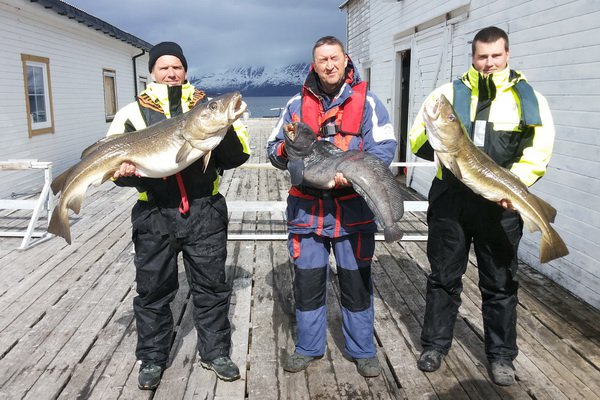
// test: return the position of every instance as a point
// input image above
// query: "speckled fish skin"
(158, 151)
(480, 173)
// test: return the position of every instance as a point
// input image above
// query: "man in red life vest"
(335, 103)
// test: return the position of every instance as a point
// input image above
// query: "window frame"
(110, 73)
(39, 128)
(142, 81)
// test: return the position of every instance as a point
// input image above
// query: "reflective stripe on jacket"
(156, 103)
(523, 149)
(332, 215)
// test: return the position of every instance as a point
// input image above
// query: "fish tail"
(552, 246)
(392, 233)
(59, 223)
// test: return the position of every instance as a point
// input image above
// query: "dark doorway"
(404, 101)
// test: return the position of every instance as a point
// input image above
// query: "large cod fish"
(314, 163)
(158, 151)
(480, 173)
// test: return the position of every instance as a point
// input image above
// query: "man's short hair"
(490, 35)
(327, 40)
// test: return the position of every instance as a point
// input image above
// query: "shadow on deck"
(67, 329)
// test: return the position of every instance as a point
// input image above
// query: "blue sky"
(220, 34)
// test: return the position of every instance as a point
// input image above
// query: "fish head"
(299, 138)
(212, 118)
(444, 128)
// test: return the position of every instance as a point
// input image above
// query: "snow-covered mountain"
(254, 81)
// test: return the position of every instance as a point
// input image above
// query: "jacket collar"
(159, 94)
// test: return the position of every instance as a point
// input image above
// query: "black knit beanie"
(166, 49)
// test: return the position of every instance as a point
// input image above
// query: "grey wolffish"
(314, 163)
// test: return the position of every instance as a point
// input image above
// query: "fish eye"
(213, 105)
(451, 117)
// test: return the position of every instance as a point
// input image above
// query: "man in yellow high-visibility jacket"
(512, 123)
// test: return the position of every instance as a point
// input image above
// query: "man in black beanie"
(180, 213)
(166, 49)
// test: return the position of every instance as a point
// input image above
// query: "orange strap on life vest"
(348, 116)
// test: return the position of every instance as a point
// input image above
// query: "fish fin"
(546, 208)
(183, 152)
(90, 149)
(552, 246)
(75, 201)
(296, 169)
(543, 207)
(454, 168)
(107, 176)
(530, 224)
(59, 223)
(206, 160)
(450, 163)
(59, 182)
(392, 233)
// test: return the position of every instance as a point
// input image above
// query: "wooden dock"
(67, 329)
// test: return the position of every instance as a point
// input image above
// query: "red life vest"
(348, 115)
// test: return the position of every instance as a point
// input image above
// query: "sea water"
(267, 106)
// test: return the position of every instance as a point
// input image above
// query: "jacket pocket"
(354, 211)
(300, 211)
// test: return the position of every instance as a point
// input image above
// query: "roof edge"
(71, 12)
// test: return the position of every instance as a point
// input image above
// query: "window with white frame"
(36, 74)
(110, 93)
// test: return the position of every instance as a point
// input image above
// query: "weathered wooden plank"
(59, 372)
(93, 366)
(350, 383)
(68, 334)
(470, 310)
(183, 354)
(74, 284)
(61, 288)
(239, 315)
(397, 330)
(562, 304)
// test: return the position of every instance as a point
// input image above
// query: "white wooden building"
(64, 75)
(406, 48)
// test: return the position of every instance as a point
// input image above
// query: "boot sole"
(152, 387)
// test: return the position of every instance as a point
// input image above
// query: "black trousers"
(159, 235)
(457, 218)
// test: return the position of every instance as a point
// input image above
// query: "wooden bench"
(42, 203)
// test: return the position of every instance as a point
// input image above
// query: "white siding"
(557, 45)
(358, 30)
(77, 56)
